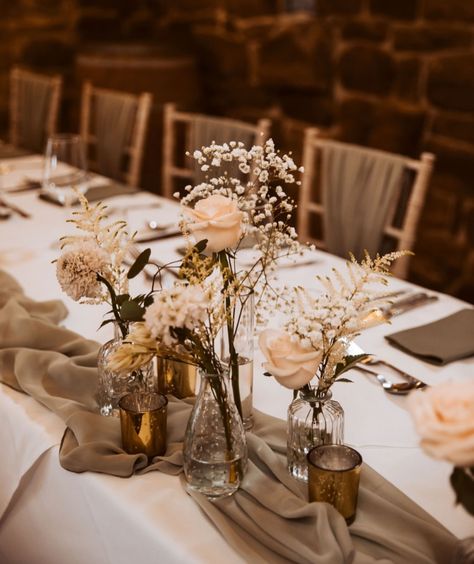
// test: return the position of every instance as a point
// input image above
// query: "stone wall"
(392, 74)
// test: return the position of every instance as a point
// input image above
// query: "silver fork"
(373, 360)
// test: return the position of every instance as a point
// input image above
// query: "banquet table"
(51, 516)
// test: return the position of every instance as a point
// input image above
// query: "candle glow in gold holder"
(177, 378)
(333, 477)
(143, 423)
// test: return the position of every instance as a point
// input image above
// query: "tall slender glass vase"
(113, 385)
(215, 449)
(237, 353)
(312, 420)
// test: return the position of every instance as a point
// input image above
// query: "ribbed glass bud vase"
(312, 420)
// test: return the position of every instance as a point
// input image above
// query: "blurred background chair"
(113, 125)
(185, 131)
(34, 107)
(353, 198)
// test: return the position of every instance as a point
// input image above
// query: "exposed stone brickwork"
(392, 74)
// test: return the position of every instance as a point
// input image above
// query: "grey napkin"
(269, 519)
(440, 342)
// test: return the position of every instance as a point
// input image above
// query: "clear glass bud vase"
(215, 449)
(312, 420)
(113, 385)
(237, 353)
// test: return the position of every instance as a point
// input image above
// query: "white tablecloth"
(56, 516)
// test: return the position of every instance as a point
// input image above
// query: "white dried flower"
(77, 269)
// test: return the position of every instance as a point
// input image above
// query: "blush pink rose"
(292, 365)
(444, 418)
(217, 219)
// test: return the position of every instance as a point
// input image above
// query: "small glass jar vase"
(113, 385)
(237, 354)
(215, 449)
(312, 420)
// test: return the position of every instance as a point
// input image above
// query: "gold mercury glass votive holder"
(143, 423)
(177, 378)
(333, 477)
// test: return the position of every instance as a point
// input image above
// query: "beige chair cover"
(113, 117)
(205, 130)
(34, 99)
(359, 187)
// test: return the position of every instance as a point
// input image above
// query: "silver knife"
(408, 303)
(383, 314)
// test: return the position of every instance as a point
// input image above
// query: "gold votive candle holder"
(177, 378)
(143, 423)
(333, 477)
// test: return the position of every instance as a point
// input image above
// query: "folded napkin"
(269, 518)
(96, 193)
(440, 342)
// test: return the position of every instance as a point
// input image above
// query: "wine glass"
(65, 168)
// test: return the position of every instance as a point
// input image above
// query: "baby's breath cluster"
(264, 210)
(325, 322)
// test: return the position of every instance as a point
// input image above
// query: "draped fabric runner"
(207, 129)
(268, 519)
(34, 98)
(113, 117)
(359, 186)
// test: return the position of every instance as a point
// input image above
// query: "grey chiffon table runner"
(440, 342)
(269, 518)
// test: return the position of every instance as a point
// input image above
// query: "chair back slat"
(114, 126)
(198, 130)
(34, 108)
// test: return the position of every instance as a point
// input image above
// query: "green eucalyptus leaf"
(148, 301)
(200, 245)
(139, 264)
(131, 311)
(106, 322)
(343, 380)
(122, 298)
(463, 485)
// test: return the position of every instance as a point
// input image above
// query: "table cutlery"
(399, 388)
(5, 213)
(25, 187)
(411, 383)
(404, 304)
(14, 208)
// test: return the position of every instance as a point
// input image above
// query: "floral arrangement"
(443, 417)
(91, 267)
(319, 327)
(222, 212)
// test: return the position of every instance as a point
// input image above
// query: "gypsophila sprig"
(320, 325)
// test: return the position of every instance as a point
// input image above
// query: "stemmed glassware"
(65, 168)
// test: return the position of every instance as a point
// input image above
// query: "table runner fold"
(269, 518)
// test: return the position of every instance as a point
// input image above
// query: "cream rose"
(444, 418)
(217, 219)
(292, 365)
